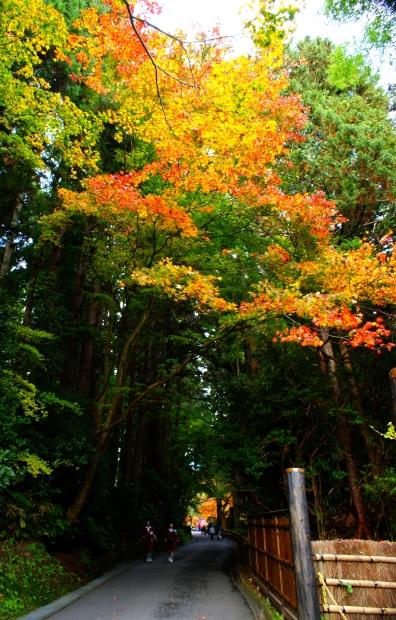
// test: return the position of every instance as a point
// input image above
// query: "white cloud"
(193, 15)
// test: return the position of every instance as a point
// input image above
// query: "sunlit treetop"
(213, 121)
(331, 292)
(35, 119)
(218, 125)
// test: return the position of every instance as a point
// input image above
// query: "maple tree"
(196, 156)
(322, 294)
(328, 292)
(218, 126)
(185, 227)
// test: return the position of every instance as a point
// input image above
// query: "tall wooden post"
(307, 589)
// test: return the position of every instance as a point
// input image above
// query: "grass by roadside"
(30, 577)
(268, 611)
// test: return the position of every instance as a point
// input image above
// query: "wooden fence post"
(306, 585)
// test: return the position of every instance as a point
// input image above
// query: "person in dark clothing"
(148, 539)
(171, 540)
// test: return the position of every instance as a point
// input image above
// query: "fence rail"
(369, 559)
(358, 578)
(355, 578)
(363, 611)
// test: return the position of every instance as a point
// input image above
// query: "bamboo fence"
(356, 578)
(271, 559)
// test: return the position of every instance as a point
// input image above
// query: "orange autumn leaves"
(100, 48)
(109, 195)
(330, 293)
(218, 125)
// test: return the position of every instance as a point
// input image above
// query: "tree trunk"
(10, 245)
(27, 314)
(52, 264)
(88, 371)
(345, 437)
(131, 459)
(76, 507)
(70, 375)
(363, 427)
(392, 378)
(103, 434)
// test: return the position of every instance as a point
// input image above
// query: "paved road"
(197, 586)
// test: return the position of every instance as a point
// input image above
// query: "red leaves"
(302, 335)
(108, 195)
(371, 335)
(337, 318)
(313, 211)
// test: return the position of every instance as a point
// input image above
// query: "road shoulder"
(48, 610)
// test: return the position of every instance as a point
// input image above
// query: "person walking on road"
(149, 539)
(171, 540)
(211, 531)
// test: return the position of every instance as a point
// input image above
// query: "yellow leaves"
(89, 20)
(277, 254)
(34, 464)
(77, 202)
(328, 296)
(183, 283)
(34, 118)
(218, 120)
(27, 29)
(354, 275)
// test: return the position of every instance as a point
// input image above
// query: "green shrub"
(30, 578)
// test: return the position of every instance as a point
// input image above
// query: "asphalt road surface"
(197, 586)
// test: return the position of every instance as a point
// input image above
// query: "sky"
(187, 14)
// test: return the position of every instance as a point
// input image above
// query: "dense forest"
(198, 275)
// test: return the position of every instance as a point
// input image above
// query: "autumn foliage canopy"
(217, 125)
(198, 273)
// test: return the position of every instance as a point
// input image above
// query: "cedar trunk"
(344, 435)
(10, 245)
(103, 426)
(355, 391)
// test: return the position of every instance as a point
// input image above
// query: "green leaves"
(348, 72)
(350, 142)
(34, 465)
(381, 27)
(29, 578)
